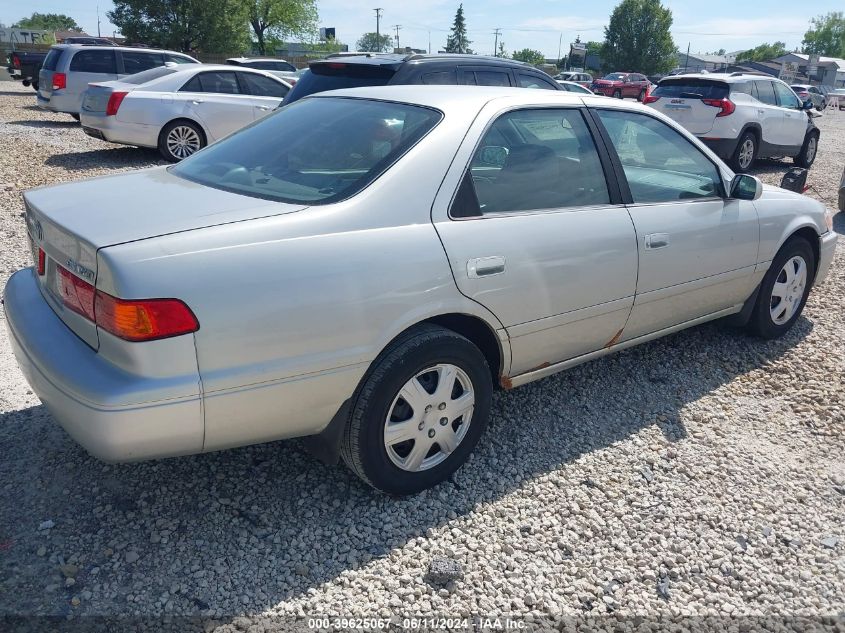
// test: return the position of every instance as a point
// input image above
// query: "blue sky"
(706, 25)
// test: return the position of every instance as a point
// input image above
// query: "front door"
(697, 248)
(794, 126)
(215, 99)
(535, 236)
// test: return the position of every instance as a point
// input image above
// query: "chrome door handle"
(263, 107)
(196, 101)
(485, 266)
(656, 240)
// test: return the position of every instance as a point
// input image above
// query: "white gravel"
(701, 474)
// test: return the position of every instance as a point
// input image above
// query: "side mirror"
(494, 156)
(745, 187)
(807, 105)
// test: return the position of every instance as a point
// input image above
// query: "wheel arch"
(184, 119)
(755, 129)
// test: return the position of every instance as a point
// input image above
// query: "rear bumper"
(68, 103)
(111, 129)
(96, 402)
(724, 148)
(827, 248)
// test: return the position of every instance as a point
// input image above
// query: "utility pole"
(429, 41)
(378, 17)
(98, 20)
(559, 43)
(397, 27)
(686, 60)
(497, 31)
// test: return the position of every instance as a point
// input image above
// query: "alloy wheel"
(788, 290)
(746, 153)
(812, 146)
(182, 141)
(429, 417)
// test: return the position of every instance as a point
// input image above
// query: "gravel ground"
(698, 475)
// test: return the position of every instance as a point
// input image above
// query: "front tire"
(419, 412)
(745, 153)
(180, 139)
(807, 155)
(784, 290)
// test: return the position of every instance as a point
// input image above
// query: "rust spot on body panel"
(615, 339)
(506, 382)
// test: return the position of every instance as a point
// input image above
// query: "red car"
(621, 85)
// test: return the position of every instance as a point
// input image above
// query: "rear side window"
(337, 75)
(284, 66)
(533, 81)
(535, 159)
(492, 78)
(220, 82)
(691, 89)
(94, 61)
(138, 62)
(52, 59)
(765, 92)
(262, 86)
(440, 78)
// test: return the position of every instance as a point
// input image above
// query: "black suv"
(374, 69)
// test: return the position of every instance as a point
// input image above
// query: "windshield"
(690, 88)
(316, 151)
(615, 77)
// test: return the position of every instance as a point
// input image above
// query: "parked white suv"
(741, 117)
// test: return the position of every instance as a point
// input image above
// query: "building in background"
(830, 71)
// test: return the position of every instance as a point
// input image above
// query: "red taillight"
(727, 106)
(115, 99)
(42, 262)
(77, 295)
(59, 81)
(803, 93)
(143, 320)
(16, 61)
(650, 99)
(131, 320)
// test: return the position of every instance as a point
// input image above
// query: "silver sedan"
(365, 267)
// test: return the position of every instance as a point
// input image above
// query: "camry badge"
(80, 270)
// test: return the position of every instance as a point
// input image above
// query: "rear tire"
(394, 444)
(74, 115)
(180, 139)
(784, 290)
(807, 155)
(745, 153)
(617, 94)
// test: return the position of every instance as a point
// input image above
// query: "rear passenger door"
(537, 235)
(90, 65)
(484, 76)
(216, 100)
(531, 80)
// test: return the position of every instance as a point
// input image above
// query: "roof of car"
(735, 77)
(256, 59)
(88, 47)
(397, 59)
(446, 97)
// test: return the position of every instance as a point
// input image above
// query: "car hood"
(143, 204)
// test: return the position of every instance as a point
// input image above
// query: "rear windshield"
(690, 88)
(334, 76)
(316, 151)
(148, 75)
(52, 59)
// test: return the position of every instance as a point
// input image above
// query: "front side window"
(535, 159)
(615, 77)
(786, 97)
(94, 61)
(262, 86)
(315, 151)
(659, 163)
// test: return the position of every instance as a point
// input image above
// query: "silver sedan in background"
(365, 266)
(179, 109)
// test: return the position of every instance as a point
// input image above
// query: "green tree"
(638, 38)
(458, 42)
(280, 19)
(209, 26)
(826, 35)
(502, 52)
(529, 55)
(375, 43)
(48, 22)
(762, 53)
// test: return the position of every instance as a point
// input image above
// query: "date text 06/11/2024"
(417, 624)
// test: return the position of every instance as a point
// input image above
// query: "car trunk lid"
(96, 97)
(71, 222)
(685, 99)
